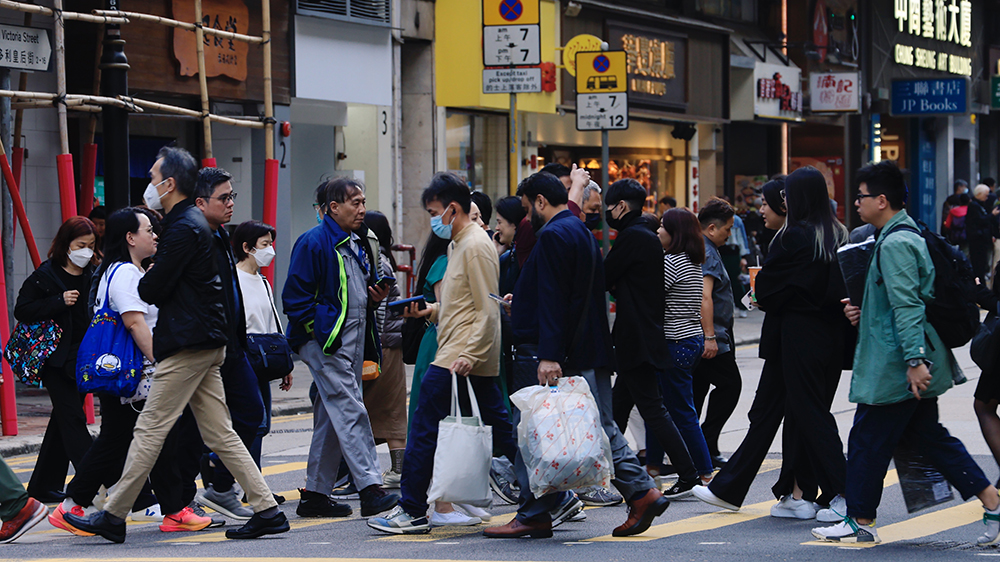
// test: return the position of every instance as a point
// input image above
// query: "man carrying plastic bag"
(558, 305)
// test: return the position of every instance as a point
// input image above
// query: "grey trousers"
(341, 428)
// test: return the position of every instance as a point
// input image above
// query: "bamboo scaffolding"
(38, 104)
(33, 9)
(247, 122)
(95, 100)
(206, 110)
(268, 100)
(22, 84)
(182, 25)
(60, 52)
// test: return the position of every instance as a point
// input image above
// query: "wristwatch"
(914, 363)
(710, 338)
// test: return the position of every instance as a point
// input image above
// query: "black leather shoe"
(314, 504)
(259, 526)
(719, 461)
(375, 500)
(51, 496)
(98, 524)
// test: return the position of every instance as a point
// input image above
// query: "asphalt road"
(689, 530)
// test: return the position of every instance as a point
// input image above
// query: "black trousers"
(104, 462)
(66, 437)
(721, 372)
(641, 388)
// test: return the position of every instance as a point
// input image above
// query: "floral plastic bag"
(561, 438)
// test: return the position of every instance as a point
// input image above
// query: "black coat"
(633, 272)
(978, 224)
(184, 283)
(41, 298)
(236, 331)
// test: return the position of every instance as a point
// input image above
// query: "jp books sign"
(223, 56)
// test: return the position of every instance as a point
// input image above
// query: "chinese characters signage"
(940, 23)
(833, 91)
(948, 96)
(656, 64)
(223, 56)
(24, 48)
(779, 91)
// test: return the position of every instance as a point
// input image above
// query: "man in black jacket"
(189, 348)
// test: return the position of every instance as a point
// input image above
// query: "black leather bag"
(269, 354)
(983, 348)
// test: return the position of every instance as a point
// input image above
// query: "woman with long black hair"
(803, 347)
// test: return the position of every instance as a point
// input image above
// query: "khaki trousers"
(190, 377)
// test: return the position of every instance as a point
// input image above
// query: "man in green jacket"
(901, 366)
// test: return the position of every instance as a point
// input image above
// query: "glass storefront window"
(477, 150)
(741, 10)
(652, 173)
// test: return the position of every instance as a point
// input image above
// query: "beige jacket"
(468, 321)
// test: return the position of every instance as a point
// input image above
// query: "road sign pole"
(605, 162)
(512, 126)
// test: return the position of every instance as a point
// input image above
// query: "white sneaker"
(100, 498)
(474, 511)
(151, 513)
(835, 513)
(992, 521)
(848, 531)
(453, 519)
(706, 495)
(791, 508)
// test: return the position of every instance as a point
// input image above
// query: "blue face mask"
(440, 229)
(319, 218)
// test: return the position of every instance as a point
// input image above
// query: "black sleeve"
(174, 251)
(34, 304)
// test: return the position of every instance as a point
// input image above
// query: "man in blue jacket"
(553, 309)
(330, 297)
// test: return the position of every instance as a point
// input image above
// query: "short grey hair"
(980, 190)
(591, 188)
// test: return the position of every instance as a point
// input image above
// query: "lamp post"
(114, 82)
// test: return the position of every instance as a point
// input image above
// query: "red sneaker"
(184, 520)
(57, 520)
(30, 515)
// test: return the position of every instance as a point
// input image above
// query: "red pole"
(18, 155)
(67, 186)
(270, 203)
(15, 196)
(87, 174)
(8, 401)
(208, 163)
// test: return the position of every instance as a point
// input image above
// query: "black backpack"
(953, 312)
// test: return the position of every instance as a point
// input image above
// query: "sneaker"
(503, 481)
(375, 500)
(399, 522)
(992, 521)
(392, 479)
(848, 531)
(348, 492)
(474, 511)
(566, 511)
(30, 515)
(101, 498)
(315, 504)
(453, 519)
(58, 520)
(198, 510)
(704, 494)
(681, 489)
(151, 513)
(596, 496)
(226, 503)
(184, 520)
(719, 461)
(791, 508)
(580, 516)
(835, 513)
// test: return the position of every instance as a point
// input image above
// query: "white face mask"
(152, 197)
(263, 256)
(81, 257)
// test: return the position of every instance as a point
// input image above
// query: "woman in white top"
(129, 240)
(253, 246)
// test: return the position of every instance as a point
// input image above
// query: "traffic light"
(853, 50)
(548, 76)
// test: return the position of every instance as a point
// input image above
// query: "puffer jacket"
(390, 324)
(184, 283)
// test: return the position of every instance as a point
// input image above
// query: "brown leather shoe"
(516, 529)
(641, 513)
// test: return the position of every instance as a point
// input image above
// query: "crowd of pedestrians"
(500, 306)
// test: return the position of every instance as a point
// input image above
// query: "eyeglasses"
(861, 196)
(225, 198)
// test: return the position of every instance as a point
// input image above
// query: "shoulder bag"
(108, 362)
(269, 354)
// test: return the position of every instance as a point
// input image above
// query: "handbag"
(463, 455)
(983, 348)
(269, 354)
(145, 384)
(108, 362)
(29, 347)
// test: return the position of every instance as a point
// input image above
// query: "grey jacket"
(390, 325)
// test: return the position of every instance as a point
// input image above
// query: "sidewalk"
(33, 406)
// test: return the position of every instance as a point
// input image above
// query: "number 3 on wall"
(385, 122)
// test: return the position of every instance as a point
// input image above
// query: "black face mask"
(611, 220)
(537, 221)
(593, 221)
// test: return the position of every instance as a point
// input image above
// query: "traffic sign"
(601, 72)
(510, 12)
(580, 43)
(505, 45)
(512, 80)
(25, 48)
(595, 112)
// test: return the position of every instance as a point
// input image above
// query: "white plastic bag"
(462, 459)
(561, 438)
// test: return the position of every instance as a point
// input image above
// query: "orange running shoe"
(57, 520)
(184, 520)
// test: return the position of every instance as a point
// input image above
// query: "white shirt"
(257, 304)
(123, 296)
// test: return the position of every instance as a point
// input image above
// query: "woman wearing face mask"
(58, 291)
(253, 246)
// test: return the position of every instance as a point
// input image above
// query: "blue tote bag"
(108, 362)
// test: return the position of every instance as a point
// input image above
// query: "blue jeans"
(265, 424)
(631, 478)
(434, 406)
(876, 432)
(678, 396)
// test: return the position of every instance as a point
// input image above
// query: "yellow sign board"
(580, 43)
(510, 12)
(601, 72)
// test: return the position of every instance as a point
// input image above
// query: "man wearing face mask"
(592, 205)
(330, 297)
(557, 312)
(189, 347)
